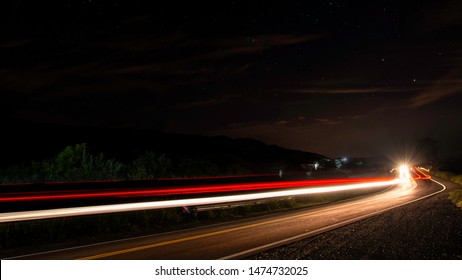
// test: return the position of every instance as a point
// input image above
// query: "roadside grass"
(85, 229)
(456, 195)
(448, 176)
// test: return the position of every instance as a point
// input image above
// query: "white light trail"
(425, 169)
(101, 209)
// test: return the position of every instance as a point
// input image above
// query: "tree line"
(76, 163)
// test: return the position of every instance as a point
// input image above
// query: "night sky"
(339, 78)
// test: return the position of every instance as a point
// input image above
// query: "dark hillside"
(25, 142)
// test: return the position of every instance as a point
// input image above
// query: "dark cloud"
(353, 90)
(334, 78)
(441, 90)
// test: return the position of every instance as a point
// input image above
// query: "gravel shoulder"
(427, 229)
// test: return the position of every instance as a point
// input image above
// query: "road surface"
(428, 229)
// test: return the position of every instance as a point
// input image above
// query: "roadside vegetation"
(448, 176)
(75, 163)
(456, 195)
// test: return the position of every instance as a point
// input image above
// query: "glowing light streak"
(405, 173)
(417, 175)
(421, 175)
(165, 191)
(425, 169)
(101, 209)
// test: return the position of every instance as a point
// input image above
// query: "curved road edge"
(256, 250)
(429, 229)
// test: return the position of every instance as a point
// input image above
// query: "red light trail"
(263, 190)
(182, 190)
(419, 175)
(361, 183)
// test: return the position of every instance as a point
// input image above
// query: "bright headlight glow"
(404, 172)
(407, 180)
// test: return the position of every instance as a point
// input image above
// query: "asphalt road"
(430, 229)
(245, 238)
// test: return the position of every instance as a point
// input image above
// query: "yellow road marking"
(134, 249)
(100, 256)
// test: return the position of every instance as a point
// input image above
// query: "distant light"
(316, 165)
(403, 167)
(404, 172)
